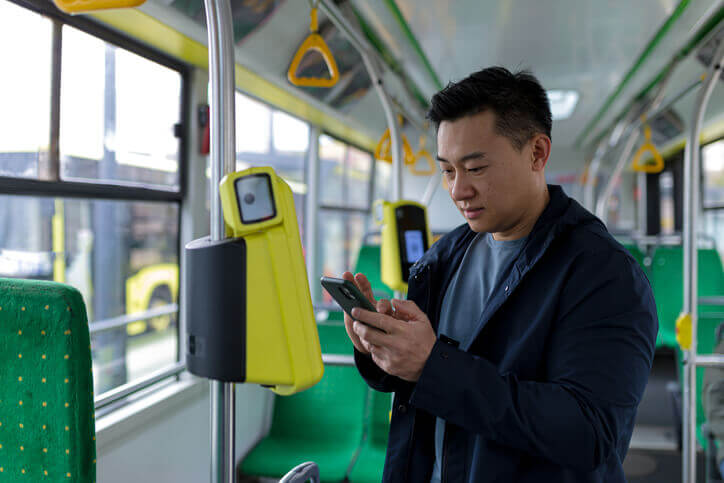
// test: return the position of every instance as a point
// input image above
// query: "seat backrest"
(368, 262)
(47, 423)
(379, 418)
(333, 408)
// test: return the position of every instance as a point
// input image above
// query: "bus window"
(712, 156)
(666, 202)
(121, 256)
(346, 172)
(24, 90)
(118, 112)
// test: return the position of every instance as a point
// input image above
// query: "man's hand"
(405, 347)
(383, 306)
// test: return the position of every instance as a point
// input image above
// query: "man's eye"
(477, 169)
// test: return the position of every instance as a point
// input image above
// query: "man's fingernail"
(355, 312)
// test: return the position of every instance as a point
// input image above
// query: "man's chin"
(478, 226)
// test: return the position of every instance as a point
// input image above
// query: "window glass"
(345, 173)
(253, 121)
(118, 113)
(712, 156)
(24, 90)
(123, 258)
(383, 181)
(340, 238)
(265, 137)
(290, 134)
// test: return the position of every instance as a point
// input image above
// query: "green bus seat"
(368, 262)
(323, 424)
(371, 460)
(667, 283)
(638, 255)
(47, 422)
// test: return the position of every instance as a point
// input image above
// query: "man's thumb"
(406, 309)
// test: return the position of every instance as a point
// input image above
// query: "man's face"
(491, 182)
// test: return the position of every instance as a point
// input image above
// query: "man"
(528, 335)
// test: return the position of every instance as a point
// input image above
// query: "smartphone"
(347, 295)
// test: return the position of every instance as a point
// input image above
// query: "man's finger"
(348, 276)
(380, 321)
(365, 286)
(370, 335)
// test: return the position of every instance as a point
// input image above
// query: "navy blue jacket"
(547, 389)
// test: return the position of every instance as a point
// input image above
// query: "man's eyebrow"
(467, 157)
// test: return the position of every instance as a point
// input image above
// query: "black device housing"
(409, 218)
(215, 308)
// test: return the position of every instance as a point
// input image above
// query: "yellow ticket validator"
(267, 315)
(405, 238)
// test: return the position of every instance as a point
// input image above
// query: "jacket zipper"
(419, 273)
(443, 463)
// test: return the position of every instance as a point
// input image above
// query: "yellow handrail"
(79, 6)
(657, 165)
(313, 42)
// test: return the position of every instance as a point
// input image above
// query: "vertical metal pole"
(692, 186)
(223, 160)
(641, 218)
(311, 210)
(53, 168)
(602, 204)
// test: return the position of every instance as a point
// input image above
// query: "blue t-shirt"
(485, 264)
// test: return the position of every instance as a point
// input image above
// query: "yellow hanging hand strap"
(313, 42)
(425, 155)
(383, 149)
(652, 165)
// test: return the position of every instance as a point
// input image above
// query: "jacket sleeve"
(376, 378)
(598, 360)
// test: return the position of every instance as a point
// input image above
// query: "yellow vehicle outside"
(153, 286)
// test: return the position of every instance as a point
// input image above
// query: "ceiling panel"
(569, 44)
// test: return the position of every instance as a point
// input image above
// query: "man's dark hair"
(518, 100)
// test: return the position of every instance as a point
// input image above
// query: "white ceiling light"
(563, 102)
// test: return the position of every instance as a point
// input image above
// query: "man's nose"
(461, 188)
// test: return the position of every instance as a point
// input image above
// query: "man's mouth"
(471, 213)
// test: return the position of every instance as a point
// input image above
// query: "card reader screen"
(415, 247)
(255, 199)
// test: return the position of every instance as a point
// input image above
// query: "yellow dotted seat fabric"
(47, 423)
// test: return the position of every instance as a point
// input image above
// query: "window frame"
(102, 189)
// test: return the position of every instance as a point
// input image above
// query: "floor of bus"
(654, 455)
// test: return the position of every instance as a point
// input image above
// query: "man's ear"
(541, 150)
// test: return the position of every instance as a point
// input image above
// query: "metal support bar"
(109, 397)
(223, 161)
(712, 301)
(52, 172)
(124, 320)
(312, 210)
(656, 107)
(692, 186)
(432, 185)
(337, 360)
(602, 204)
(371, 65)
(712, 360)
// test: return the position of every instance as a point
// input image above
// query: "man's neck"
(527, 221)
